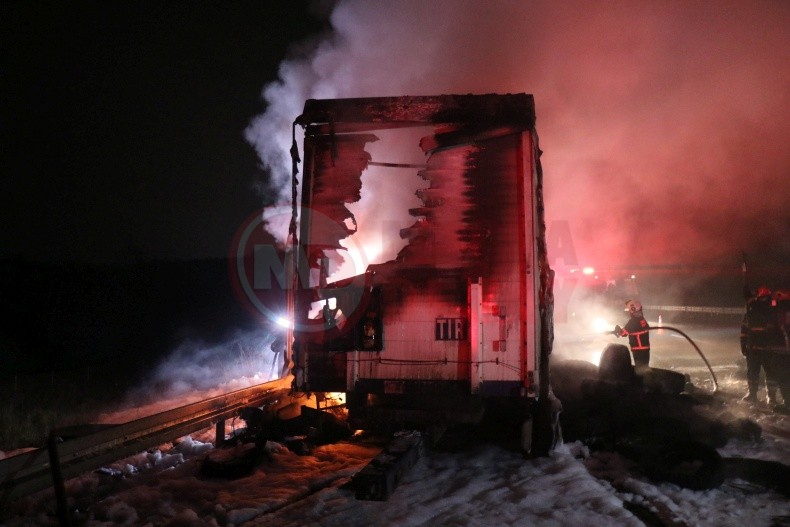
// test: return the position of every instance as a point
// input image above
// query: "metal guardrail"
(700, 309)
(24, 474)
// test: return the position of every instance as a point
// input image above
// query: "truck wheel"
(615, 365)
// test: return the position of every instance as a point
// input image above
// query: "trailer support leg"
(57, 479)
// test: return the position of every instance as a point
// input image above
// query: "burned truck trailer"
(460, 318)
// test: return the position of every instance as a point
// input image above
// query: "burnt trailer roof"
(471, 247)
(517, 110)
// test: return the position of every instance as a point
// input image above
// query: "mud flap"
(541, 431)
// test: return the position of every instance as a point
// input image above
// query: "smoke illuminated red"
(664, 125)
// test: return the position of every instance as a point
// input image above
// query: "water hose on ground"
(705, 360)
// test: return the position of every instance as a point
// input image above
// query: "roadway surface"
(719, 343)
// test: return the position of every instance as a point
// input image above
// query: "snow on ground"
(484, 485)
(164, 486)
(491, 486)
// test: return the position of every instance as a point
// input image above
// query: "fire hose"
(676, 330)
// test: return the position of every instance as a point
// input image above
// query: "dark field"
(74, 338)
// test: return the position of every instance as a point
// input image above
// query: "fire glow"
(634, 113)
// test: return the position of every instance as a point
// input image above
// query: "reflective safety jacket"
(759, 324)
(638, 332)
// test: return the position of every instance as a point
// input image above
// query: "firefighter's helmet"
(633, 307)
(762, 291)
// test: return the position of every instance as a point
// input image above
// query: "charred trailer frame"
(459, 322)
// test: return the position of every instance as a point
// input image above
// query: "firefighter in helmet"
(779, 362)
(756, 330)
(638, 332)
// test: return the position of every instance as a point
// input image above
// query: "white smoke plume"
(197, 369)
(664, 124)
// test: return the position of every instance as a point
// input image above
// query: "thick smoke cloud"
(664, 124)
(198, 369)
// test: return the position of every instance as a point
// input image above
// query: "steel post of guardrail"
(30, 472)
(57, 478)
(219, 432)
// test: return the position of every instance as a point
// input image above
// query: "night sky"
(664, 127)
(123, 122)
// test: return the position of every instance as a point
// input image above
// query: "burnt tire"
(658, 380)
(689, 464)
(615, 365)
(231, 463)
